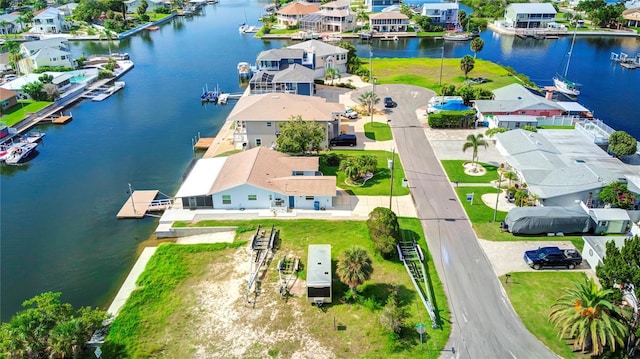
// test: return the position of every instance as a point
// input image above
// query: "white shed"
(595, 248)
(319, 274)
(609, 220)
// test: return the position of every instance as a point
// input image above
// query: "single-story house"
(515, 99)
(260, 178)
(510, 121)
(610, 220)
(595, 248)
(388, 22)
(293, 12)
(8, 99)
(257, 117)
(295, 79)
(529, 15)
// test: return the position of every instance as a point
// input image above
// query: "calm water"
(58, 225)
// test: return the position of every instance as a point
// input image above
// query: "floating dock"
(60, 120)
(204, 143)
(141, 202)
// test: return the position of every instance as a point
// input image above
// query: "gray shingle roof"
(296, 74)
(279, 54)
(320, 48)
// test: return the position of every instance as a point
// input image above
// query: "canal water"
(58, 227)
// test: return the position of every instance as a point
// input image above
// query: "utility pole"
(390, 164)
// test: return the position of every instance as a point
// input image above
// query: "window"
(268, 124)
(309, 198)
(258, 142)
(252, 197)
(270, 197)
(226, 199)
(602, 223)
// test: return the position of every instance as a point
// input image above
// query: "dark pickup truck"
(552, 257)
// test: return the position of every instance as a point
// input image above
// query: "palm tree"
(13, 48)
(477, 45)
(350, 168)
(368, 100)
(354, 267)
(332, 73)
(586, 315)
(475, 141)
(4, 24)
(511, 176)
(467, 63)
(66, 339)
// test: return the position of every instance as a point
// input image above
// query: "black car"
(552, 257)
(388, 102)
(344, 140)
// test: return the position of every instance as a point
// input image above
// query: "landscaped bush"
(384, 230)
(162, 10)
(452, 119)
(42, 69)
(332, 159)
(318, 81)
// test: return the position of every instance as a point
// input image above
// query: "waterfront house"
(632, 16)
(50, 21)
(293, 12)
(8, 99)
(260, 178)
(563, 167)
(280, 59)
(322, 55)
(337, 16)
(256, 117)
(45, 57)
(131, 6)
(515, 99)
(295, 79)
(13, 26)
(529, 15)
(388, 22)
(442, 13)
(67, 9)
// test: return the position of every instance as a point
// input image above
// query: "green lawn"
(378, 131)
(532, 295)
(377, 186)
(159, 318)
(550, 127)
(425, 72)
(455, 172)
(18, 112)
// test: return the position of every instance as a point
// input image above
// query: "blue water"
(58, 229)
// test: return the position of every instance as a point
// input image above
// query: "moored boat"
(561, 82)
(210, 95)
(153, 28)
(19, 152)
(32, 136)
(244, 69)
(457, 36)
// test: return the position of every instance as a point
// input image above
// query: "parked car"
(350, 114)
(388, 102)
(344, 140)
(552, 257)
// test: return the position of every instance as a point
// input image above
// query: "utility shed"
(319, 274)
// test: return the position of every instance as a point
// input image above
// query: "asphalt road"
(484, 324)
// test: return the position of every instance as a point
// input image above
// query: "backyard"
(191, 301)
(18, 112)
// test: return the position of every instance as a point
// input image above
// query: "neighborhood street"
(484, 324)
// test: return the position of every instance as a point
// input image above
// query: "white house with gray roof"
(324, 55)
(529, 15)
(257, 117)
(388, 22)
(560, 177)
(13, 26)
(295, 79)
(46, 57)
(442, 13)
(50, 21)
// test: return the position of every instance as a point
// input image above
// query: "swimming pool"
(78, 79)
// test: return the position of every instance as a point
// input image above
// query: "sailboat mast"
(566, 69)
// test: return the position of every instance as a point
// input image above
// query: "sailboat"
(244, 28)
(561, 82)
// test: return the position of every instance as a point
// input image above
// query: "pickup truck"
(552, 257)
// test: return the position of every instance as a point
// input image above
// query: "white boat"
(244, 69)
(108, 91)
(561, 82)
(457, 37)
(223, 98)
(19, 152)
(32, 136)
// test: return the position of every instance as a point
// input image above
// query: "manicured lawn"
(378, 131)
(162, 315)
(379, 184)
(481, 217)
(425, 72)
(18, 112)
(455, 172)
(532, 294)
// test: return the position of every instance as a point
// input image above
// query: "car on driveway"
(389, 103)
(552, 257)
(344, 140)
(350, 114)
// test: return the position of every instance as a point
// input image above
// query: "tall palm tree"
(332, 73)
(354, 267)
(368, 100)
(467, 63)
(477, 45)
(586, 315)
(475, 141)
(13, 48)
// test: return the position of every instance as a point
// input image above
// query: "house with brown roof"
(8, 99)
(293, 12)
(260, 178)
(388, 22)
(257, 117)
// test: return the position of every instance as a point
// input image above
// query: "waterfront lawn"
(425, 72)
(455, 172)
(481, 217)
(378, 131)
(18, 112)
(169, 315)
(379, 184)
(532, 294)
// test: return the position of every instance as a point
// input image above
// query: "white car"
(350, 114)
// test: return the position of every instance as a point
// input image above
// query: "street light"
(495, 211)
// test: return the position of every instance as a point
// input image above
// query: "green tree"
(353, 61)
(621, 265)
(494, 131)
(393, 315)
(299, 136)
(4, 24)
(406, 10)
(45, 78)
(384, 230)
(35, 90)
(367, 101)
(332, 73)
(354, 267)
(617, 195)
(22, 20)
(477, 44)
(448, 90)
(13, 48)
(51, 91)
(88, 10)
(511, 176)
(467, 63)
(586, 315)
(474, 142)
(142, 10)
(424, 22)
(622, 144)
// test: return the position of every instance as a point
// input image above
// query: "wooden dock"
(138, 204)
(204, 143)
(60, 120)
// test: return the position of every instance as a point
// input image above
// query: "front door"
(192, 203)
(292, 201)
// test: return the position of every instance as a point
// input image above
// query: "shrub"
(333, 159)
(530, 128)
(622, 144)
(393, 315)
(383, 230)
(452, 119)
(618, 195)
